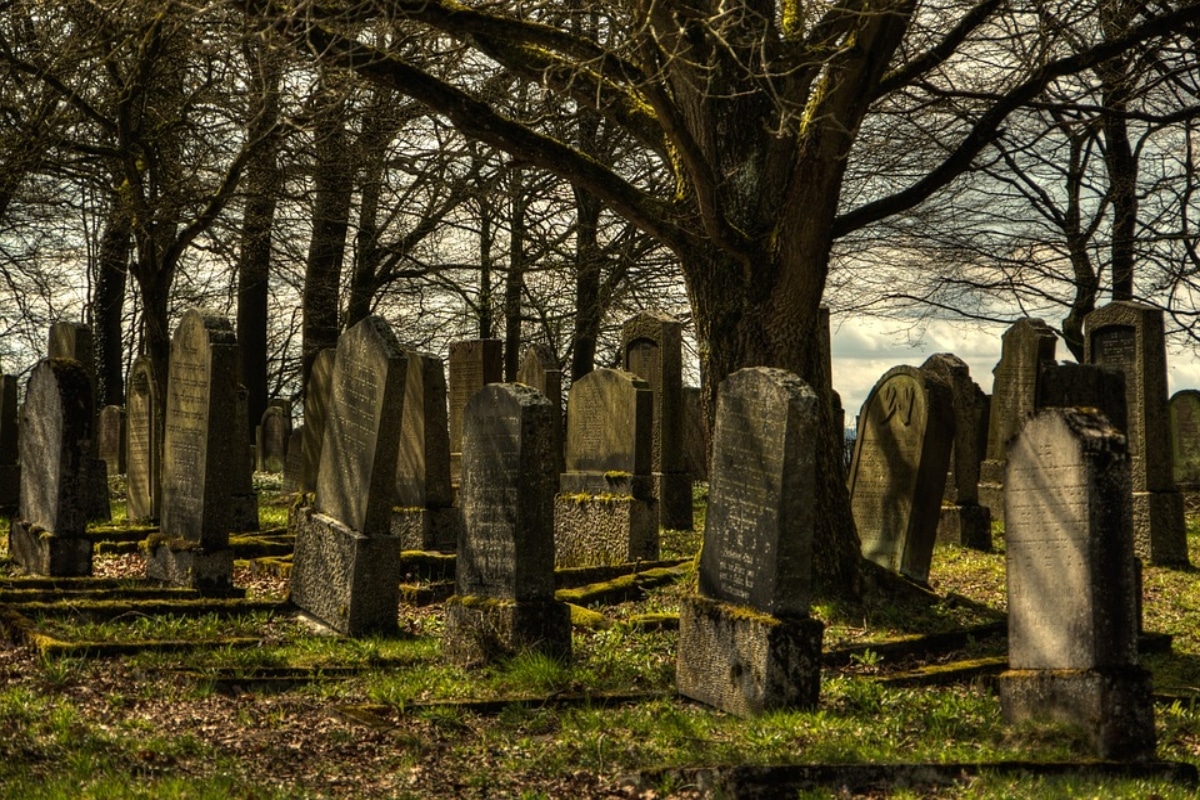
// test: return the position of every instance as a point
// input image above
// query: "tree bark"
(514, 283)
(109, 305)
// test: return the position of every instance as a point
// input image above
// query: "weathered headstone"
(504, 601)
(143, 449)
(293, 463)
(746, 641)
(1071, 385)
(425, 517)
(1072, 584)
(605, 510)
(10, 467)
(316, 409)
(474, 363)
(112, 439)
(898, 473)
(963, 521)
(204, 454)
(346, 567)
(1130, 337)
(541, 370)
(275, 430)
(1027, 348)
(48, 536)
(652, 349)
(73, 340)
(1185, 439)
(694, 455)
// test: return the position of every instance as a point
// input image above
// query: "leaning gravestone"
(540, 369)
(746, 641)
(1027, 348)
(898, 473)
(73, 340)
(1129, 336)
(425, 517)
(275, 430)
(316, 409)
(1185, 439)
(504, 601)
(48, 536)
(474, 363)
(652, 349)
(1072, 585)
(346, 567)
(10, 467)
(604, 512)
(203, 455)
(963, 521)
(143, 449)
(112, 439)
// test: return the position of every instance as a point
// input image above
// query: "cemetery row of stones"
(1079, 498)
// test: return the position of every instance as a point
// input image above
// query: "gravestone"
(746, 641)
(474, 363)
(293, 462)
(1027, 348)
(204, 457)
(73, 340)
(1071, 385)
(1185, 439)
(1130, 337)
(143, 449)
(425, 517)
(346, 567)
(695, 457)
(963, 521)
(1072, 584)
(316, 408)
(10, 467)
(605, 510)
(275, 430)
(541, 370)
(504, 582)
(112, 439)
(898, 472)
(48, 536)
(652, 349)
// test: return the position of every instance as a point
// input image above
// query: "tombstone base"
(480, 630)
(969, 526)
(674, 493)
(346, 579)
(643, 487)
(1159, 531)
(44, 553)
(181, 562)
(99, 508)
(427, 528)
(245, 513)
(1114, 707)
(10, 485)
(593, 531)
(746, 662)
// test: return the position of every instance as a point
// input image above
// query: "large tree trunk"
(377, 128)
(109, 305)
(514, 283)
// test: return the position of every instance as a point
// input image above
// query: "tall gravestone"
(474, 363)
(144, 445)
(346, 567)
(1026, 349)
(274, 432)
(1072, 584)
(204, 457)
(541, 370)
(605, 511)
(10, 466)
(504, 582)
(316, 409)
(73, 340)
(425, 517)
(1185, 439)
(898, 473)
(1130, 337)
(695, 456)
(746, 641)
(112, 439)
(652, 349)
(963, 521)
(48, 536)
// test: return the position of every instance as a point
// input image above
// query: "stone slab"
(427, 528)
(183, 563)
(596, 531)
(40, 552)
(965, 525)
(480, 630)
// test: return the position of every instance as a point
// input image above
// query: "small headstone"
(1072, 585)
(293, 463)
(605, 512)
(10, 469)
(1130, 337)
(143, 450)
(346, 567)
(1027, 348)
(541, 370)
(474, 363)
(652, 349)
(316, 408)
(48, 536)
(112, 439)
(504, 601)
(746, 641)
(963, 521)
(1185, 439)
(73, 340)
(276, 430)
(898, 473)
